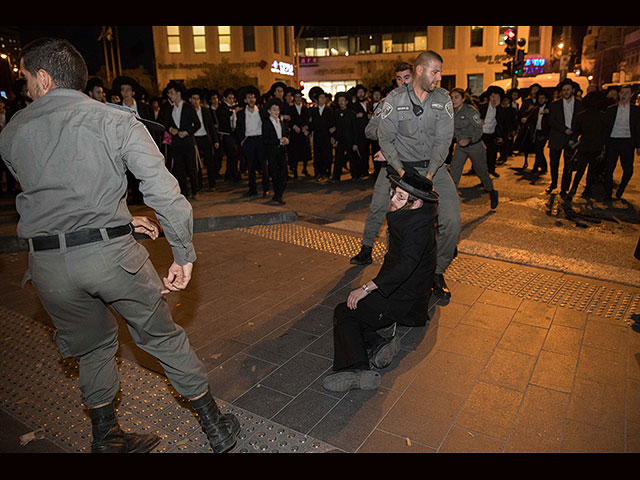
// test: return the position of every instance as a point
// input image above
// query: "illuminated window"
(224, 39)
(420, 42)
(199, 40)
(173, 36)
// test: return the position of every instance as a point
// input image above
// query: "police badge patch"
(449, 108)
(386, 110)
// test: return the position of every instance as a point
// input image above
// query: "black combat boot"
(108, 437)
(222, 430)
(364, 257)
(493, 194)
(440, 287)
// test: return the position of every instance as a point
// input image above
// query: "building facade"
(474, 56)
(266, 54)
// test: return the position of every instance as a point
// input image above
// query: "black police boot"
(440, 287)
(108, 437)
(493, 194)
(364, 257)
(222, 430)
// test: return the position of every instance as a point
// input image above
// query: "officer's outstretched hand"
(178, 277)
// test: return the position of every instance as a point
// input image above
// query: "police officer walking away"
(70, 154)
(415, 131)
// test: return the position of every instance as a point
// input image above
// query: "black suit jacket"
(189, 122)
(320, 124)
(241, 123)
(557, 137)
(634, 122)
(209, 124)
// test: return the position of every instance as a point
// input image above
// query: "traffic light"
(508, 69)
(518, 63)
(510, 40)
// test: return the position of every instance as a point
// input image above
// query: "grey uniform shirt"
(468, 124)
(406, 137)
(70, 154)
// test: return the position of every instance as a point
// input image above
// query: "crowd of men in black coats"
(205, 130)
(590, 133)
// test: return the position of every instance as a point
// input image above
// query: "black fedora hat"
(416, 184)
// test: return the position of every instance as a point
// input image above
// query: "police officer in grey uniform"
(468, 135)
(380, 199)
(415, 132)
(70, 155)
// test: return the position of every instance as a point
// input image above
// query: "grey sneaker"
(384, 355)
(351, 380)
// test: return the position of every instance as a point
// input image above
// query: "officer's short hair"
(427, 57)
(59, 58)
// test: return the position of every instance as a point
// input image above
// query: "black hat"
(360, 87)
(315, 92)
(124, 80)
(417, 185)
(278, 84)
(243, 91)
(343, 95)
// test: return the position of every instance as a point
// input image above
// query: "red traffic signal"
(510, 34)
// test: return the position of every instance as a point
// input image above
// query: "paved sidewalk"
(523, 359)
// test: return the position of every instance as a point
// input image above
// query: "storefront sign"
(282, 68)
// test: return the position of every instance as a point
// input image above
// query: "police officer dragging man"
(415, 130)
(70, 154)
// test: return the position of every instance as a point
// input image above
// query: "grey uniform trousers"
(79, 285)
(448, 214)
(478, 155)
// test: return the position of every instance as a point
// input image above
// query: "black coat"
(189, 122)
(321, 124)
(558, 139)
(404, 281)
(634, 122)
(241, 125)
(346, 128)
(590, 130)
(209, 124)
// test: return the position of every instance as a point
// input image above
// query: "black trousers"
(618, 148)
(299, 151)
(232, 152)
(184, 165)
(489, 140)
(254, 152)
(540, 162)
(277, 160)
(355, 333)
(322, 156)
(586, 160)
(567, 167)
(206, 153)
(344, 155)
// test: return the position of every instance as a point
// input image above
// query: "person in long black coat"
(399, 294)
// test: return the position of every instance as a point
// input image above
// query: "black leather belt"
(420, 164)
(81, 237)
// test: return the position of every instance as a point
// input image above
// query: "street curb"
(200, 225)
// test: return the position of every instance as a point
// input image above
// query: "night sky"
(136, 43)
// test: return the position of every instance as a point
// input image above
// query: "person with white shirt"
(182, 122)
(275, 135)
(491, 132)
(249, 133)
(623, 137)
(562, 116)
(204, 136)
